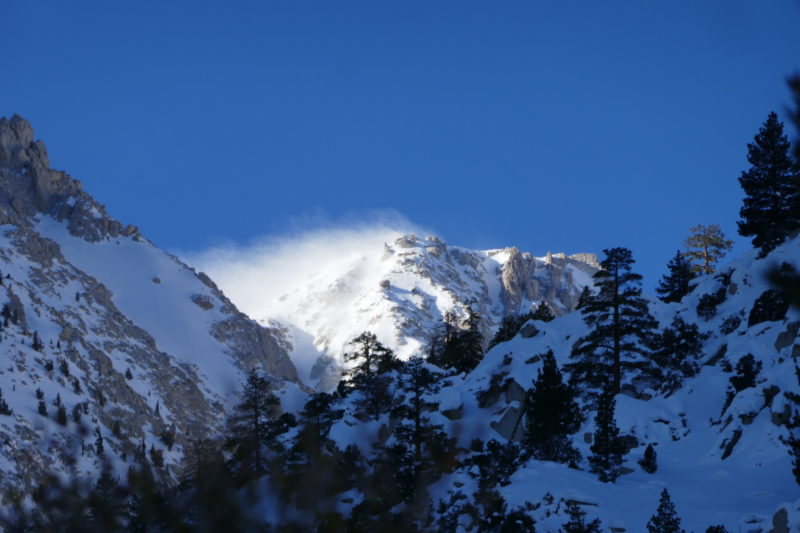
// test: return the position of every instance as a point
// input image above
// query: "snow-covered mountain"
(399, 288)
(110, 343)
(720, 451)
(134, 344)
(721, 459)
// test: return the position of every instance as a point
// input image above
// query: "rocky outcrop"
(118, 377)
(528, 279)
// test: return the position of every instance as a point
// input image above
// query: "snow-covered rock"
(134, 342)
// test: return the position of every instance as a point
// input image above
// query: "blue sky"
(563, 126)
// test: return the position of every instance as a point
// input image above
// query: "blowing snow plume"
(329, 285)
(313, 281)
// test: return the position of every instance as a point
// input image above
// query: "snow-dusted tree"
(666, 519)
(607, 449)
(771, 209)
(705, 246)
(372, 361)
(551, 415)
(620, 328)
(677, 282)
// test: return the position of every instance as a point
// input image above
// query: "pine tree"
(455, 347)
(676, 352)
(705, 246)
(771, 209)
(156, 456)
(98, 443)
(620, 327)
(250, 424)
(61, 415)
(770, 306)
(509, 327)
(370, 357)
(648, 462)
(543, 313)
(677, 282)
(316, 419)
(37, 342)
(584, 298)
(105, 503)
(666, 519)
(42, 408)
(577, 523)
(496, 463)
(551, 415)
(168, 436)
(4, 408)
(716, 529)
(421, 450)
(606, 448)
(747, 369)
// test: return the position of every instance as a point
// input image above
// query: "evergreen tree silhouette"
(551, 415)
(648, 462)
(771, 209)
(620, 328)
(606, 448)
(677, 282)
(666, 519)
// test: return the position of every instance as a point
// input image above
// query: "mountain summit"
(400, 287)
(103, 333)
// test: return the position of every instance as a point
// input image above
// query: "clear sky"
(563, 126)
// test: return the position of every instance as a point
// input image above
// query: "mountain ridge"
(134, 344)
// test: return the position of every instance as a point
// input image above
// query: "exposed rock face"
(526, 278)
(402, 289)
(119, 348)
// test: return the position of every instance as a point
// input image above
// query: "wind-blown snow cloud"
(255, 276)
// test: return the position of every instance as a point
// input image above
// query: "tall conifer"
(620, 327)
(771, 209)
(551, 415)
(606, 448)
(666, 519)
(677, 282)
